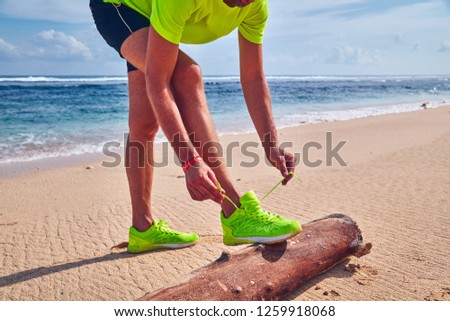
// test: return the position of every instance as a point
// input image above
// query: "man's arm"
(161, 59)
(159, 68)
(259, 104)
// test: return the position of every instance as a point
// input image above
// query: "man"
(166, 89)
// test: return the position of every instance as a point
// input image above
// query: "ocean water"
(42, 117)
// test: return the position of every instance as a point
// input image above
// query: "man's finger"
(287, 179)
(214, 181)
(283, 169)
(282, 166)
(212, 190)
(290, 164)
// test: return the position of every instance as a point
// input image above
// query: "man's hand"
(283, 161)
(201, 183)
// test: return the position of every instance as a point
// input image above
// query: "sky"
(302, 37)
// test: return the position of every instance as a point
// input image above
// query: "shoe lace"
(253, 208)
(254, 205)
(162, 226)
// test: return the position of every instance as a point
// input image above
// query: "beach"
(59, 223)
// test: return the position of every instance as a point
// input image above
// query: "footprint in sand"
(331, 293)
(363, 274)
(440, 295)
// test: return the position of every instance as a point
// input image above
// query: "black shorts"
(116, 22)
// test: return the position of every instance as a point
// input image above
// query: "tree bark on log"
(271, 272)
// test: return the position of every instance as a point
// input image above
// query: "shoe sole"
(149, 247)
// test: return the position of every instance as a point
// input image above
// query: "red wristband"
(191, 162)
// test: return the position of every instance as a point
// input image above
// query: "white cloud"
(7, 50)
(52, 10)
(445, 46)
(57, 45)
(47, 45)
(345, 54)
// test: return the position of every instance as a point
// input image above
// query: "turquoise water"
(43, 117)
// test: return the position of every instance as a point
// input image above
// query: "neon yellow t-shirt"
(201, 21)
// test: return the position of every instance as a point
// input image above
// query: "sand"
(57, 225)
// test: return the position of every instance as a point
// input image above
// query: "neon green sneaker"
(251, 224)
(159, 236)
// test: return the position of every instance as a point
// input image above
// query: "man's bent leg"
(139, 151)
(143, 129)
(146, 234)
(190, 96)
(192, 104)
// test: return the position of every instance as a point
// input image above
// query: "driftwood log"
(271, 272)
